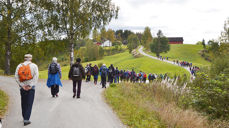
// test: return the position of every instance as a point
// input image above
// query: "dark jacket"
(82, 74)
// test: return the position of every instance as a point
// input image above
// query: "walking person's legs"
(74, 89)
(53, 90)
(79, 88)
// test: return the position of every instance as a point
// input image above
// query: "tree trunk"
(71, 51)
(7, 57)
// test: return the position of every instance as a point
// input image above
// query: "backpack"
(76, 71)
(24, 73)
(110, 70)
(103, 72)
(53, 69)
(144, 76)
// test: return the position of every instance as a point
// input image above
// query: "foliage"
(203, 43)
(146, 38)
(224, 38)
(19, 23)
(113, 85)
(110, 35)
(210, 90)
(76, 18)
(160, 44)
(133, 42)
(3, 103)
(96, 36)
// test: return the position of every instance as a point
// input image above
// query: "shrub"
(113, 85)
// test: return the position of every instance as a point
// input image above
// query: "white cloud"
(191, 19)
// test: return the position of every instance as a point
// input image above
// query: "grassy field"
(151, 106)
(128, 62)
(185, 52)
(3, 103)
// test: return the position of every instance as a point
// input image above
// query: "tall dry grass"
(156, 97)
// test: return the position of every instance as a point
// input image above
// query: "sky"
(194, 20)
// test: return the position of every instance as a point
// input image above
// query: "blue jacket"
(54, 79)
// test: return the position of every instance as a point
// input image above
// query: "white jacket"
(34, 73)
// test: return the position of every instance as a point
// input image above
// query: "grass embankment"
(185, 52)
(3, 103)
(126, 61)
(152, 106)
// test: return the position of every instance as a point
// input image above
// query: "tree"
(76, 18)
(133, 42)
(18, 25)
(203, 43)
(110, 35)
(160, 44)
(103, 34)
(224, 38)
(147, 37)
(96, 37)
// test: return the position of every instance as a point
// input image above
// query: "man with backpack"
(103, 72)
(26, 76)
(76, 74)
(54, 76)
(88, 72)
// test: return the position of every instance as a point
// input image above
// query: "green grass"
(3, 103)
(186, 52)
(129, 111)
(128, 62)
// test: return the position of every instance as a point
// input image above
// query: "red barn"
(175, 40)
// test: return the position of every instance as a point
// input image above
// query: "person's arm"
(70, 73)
(17, 76)
(60, 73)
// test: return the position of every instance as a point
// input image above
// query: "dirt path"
(90, 111)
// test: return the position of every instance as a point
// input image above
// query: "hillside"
(185, 52)
(128, 62)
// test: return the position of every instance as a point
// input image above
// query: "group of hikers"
(26, 76)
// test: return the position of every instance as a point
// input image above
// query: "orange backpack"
(24, 73)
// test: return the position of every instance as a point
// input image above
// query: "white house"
(107, 44)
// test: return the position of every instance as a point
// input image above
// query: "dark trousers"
(54, 89)
(88, 78)
(103, 82)
(27, 98)
(78, 88)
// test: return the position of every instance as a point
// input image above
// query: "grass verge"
(3, 103)
(154, 105)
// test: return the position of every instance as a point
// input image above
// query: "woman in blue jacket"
(54, 76)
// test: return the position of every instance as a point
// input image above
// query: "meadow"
(185, 52)
(3, 103)
(126, 61)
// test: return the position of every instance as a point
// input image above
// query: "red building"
(175, 40)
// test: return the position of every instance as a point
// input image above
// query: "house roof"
(175, 39)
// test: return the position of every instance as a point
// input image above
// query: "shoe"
(78, 97)
(74, 95)
(53, 96)
(27, 123)
(56, 95)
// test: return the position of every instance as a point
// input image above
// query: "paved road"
(153, 57)
(90, 111)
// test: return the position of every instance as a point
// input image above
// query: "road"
(90, 111)
(153, 57)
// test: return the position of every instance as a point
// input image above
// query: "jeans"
(78, 88)
(27, 98)
(116, 79)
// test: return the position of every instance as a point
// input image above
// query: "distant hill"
(186, 52)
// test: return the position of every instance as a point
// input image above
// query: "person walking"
(54, 76)
(103, 73)
(88, 72)
(95, 74)
(76, 74)
(116, 75)
(26, 76)
(111, 73)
